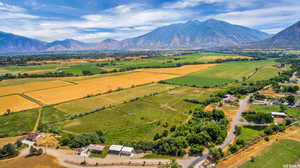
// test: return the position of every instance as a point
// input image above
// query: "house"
(276, 102)
(127, 151)
(229, 98)
(115, 149)
(94, 148)
(260, 102)
(32, 137)
(297, 104)
(278, 115)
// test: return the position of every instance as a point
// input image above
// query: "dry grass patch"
(270, 92)
(228, 110)
(12, 140)
(43, 161)
(15, 103)
(27, 87)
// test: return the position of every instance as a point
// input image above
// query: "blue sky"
(95, 20)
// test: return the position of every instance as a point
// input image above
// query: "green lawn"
(51, 114)
(138, 120)
(114, 98)
(18, 123)
(282, 153)
(221, 74)
(249, 134)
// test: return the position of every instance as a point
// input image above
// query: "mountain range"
(190, 35)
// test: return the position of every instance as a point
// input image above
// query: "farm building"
(94, 148)
(276, 102)
(260, 102)
(115, 149)
(127, 151)
(278, 115)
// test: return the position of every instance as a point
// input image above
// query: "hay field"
(103, 85)
(179, 70)
(91, 103)
(15, 103)
(43, 161)
(27, 87)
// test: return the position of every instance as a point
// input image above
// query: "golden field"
(95, 86)
(179, 70)
(8, 90)
(110, 83)
(15, 103)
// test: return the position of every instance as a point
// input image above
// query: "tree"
(8, 111)
(196, 150)
(9, 150)
(216, 154)
(290, 99)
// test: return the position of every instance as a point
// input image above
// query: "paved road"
(230, 136)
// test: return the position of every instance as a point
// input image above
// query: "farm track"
(35, 128)
(32, 99)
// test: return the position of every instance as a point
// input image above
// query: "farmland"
(223, 73)
(291, 111)
(15, 103)
(118, 97)
(143, 117)
(282, 153)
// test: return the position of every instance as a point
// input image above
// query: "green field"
(18, 123)
(51, 114)
(265, 73)
(221, 74)
(92, 103)
(138, 120)
(282, 153)
(249, 133)
(77, 69)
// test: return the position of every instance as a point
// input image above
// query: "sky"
(96, 20)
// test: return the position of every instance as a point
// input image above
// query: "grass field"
(118, 97)
(221, 74)
(15, 103)
(43, 161)
(138, 120)
(18, 123)
(51, 114)
(249, 133)
(282, 153)
(264, 73)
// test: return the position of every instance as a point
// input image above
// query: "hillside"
(288, 38)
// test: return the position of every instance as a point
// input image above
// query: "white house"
(95, 148)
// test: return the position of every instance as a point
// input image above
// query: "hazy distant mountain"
(14, 43)
(196, 34)
(288, 38)
(68, 44)
(108, 44)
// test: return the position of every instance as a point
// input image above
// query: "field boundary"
(31, 99)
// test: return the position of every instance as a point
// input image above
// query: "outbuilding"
(94, 148)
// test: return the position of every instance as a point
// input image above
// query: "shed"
(278, 114)
(115, 148)
(94, 148)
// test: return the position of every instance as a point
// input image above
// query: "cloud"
(228, 4)
(10, 8)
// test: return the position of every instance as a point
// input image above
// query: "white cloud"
(229, 4)
(10, 8)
